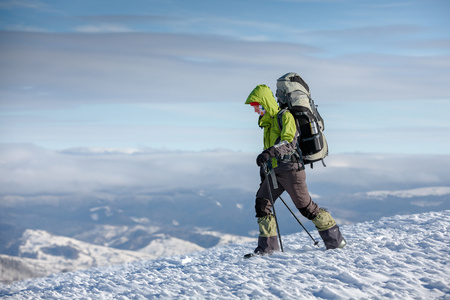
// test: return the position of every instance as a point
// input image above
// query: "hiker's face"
(259, 110)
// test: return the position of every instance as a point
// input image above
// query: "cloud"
(437, 45)
(368, 33)
(12, 4)
(69, 69)
(43, 175)
(29, 170)
(419, 192)
(102, 28)
(369, 172)
(129, 19)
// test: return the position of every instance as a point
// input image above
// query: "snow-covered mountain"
(202, 219)
(400, 257)
(41, 253)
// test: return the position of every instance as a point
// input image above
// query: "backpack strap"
(298, 152)
(280, 118)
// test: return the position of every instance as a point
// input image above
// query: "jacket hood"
(264, 96)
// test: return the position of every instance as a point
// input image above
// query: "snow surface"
(400, 257)
(41, 253)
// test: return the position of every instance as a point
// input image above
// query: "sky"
(173, 75)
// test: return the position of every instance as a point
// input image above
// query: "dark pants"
(294, 183)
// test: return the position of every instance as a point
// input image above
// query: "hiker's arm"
(288, 138)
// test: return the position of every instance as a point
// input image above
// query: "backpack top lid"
(290, 82)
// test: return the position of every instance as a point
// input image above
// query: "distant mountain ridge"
(41, 253)
(398, 257)
(165, 224)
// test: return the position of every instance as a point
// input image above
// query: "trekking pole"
(316, 243)
(265, 169)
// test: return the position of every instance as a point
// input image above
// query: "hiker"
(281, 156)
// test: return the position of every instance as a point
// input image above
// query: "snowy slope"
(400, 257)
(42, 254)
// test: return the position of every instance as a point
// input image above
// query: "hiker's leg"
(295, 184)
(268, 238)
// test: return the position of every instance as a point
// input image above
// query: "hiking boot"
(328, 230)
(268, 238)
(332, 238)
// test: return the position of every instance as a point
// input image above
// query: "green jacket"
(276, 142)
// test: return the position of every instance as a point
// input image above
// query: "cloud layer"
(53, 70)
(35, 173)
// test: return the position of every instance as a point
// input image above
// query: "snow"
(166, 246)
(42, 253)
(400, 257)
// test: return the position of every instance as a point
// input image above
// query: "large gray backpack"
(293, 95)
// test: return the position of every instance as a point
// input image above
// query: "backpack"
(293, 95)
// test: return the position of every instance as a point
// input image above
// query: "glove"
(262, 158)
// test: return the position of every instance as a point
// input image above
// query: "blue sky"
(175, 74)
